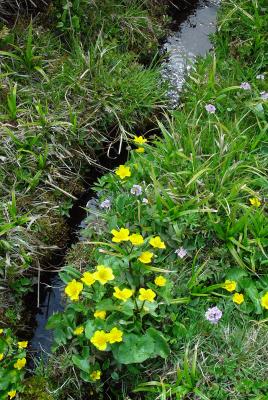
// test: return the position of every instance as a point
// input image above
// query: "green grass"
(198, 177)
(61, 96)
(61, 101)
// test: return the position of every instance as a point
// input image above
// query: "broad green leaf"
(134, 349)
(160, 343)
(81, 363)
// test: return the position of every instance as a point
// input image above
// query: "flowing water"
(189, 40)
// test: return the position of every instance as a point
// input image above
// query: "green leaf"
(134, 349)
(81, 363)
(54, 321)
(248, 285)
(90, 329)
(160, 343)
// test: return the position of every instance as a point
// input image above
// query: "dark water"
(190, 39)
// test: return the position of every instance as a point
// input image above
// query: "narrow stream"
(189, 41)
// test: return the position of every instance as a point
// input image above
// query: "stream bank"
(190, 38)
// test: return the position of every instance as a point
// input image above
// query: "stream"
(189, 39)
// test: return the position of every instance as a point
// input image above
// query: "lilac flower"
(145, 201)
(105, 204)
(181, 252)
(210, 108)
(264, 95)
(136, 190)
(213, 315)
(245, 86)
(260, 77)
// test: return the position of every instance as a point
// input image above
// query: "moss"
(36, 389)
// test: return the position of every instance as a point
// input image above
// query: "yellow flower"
(264, 301)
(229, 285)
(160, 281)
(19, 364)
(146, 295)
(1, 331)
(1, 356)
(100, 339)
(79, 330)
(120, 236)
(140, 150)
(88, 278)
(115, 336)
(22, 345)
(139, 140)
(136, 239)
(157, 243)
(103, 274)
(73, 289)
(255, 202)
(123, 172)
(100, 314)
(238, 298)
(146, 257)
(95, 375)
(12, 394)
(123, 294)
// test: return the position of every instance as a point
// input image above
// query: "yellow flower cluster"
(102, 274)
(95, 375)
(139, 141)
(12, 394)
(255, 202)
(123, 294)
(264, 301)
(20, 363)
(100, 339)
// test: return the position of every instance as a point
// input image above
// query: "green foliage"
(12, 362)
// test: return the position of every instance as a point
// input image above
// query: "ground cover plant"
(167, 293)
(59, 108)
(184, 221)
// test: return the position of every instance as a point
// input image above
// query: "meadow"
(166, 296)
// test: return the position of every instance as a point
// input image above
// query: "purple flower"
(145, 201)
(245, 86)
(264, 95)
(105, 204)
(181, 252)
(210, 108)
(136, 190)
(213, 315)
(260, 77)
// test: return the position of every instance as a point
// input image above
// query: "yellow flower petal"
(101, 314)
(147, 295)
(73, 289)
(146, 257)
(22, 345)
(157, 242)
(123, 172)
(238, 298)
(160, 281)
(103, 274)
(264, 301)
(229, 285)
(115, 335)
(100, 340)
(139, 140)
(136, 239)
(20, 363)
(120, 236)
(123, 294)
(88, 278)
(95, 375)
